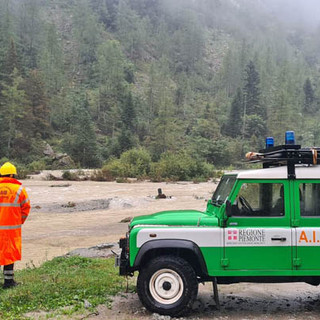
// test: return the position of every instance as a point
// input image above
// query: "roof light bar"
(289, 137)
(289, 154)
(269, 142)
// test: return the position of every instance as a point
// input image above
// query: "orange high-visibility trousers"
(14, 210)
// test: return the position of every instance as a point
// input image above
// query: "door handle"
(282, 239)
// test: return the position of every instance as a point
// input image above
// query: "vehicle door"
(307, 222)
(258, 234)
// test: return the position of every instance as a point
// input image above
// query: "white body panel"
(219, 237)
(302, 172)
(203, 237)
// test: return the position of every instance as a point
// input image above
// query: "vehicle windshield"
(223, 190)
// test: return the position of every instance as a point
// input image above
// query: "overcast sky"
(296, 11)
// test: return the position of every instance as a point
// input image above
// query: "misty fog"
(295, 12)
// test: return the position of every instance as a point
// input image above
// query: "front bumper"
(122, 260)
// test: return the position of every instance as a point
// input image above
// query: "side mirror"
(231, 209)
(228, 208)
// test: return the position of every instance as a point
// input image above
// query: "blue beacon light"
(290, 137)
(269, 142)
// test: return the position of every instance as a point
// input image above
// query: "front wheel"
(167, 285)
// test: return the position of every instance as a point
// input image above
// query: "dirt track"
(70, 215)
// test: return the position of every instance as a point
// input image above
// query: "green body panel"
(212, 257)
(265, 273)
(260, 258)
(171, 218)
(208, 221)
(309, 258)
(259, 222)
(133, 245)
(213, 210)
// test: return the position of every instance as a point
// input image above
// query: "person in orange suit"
(14, 210)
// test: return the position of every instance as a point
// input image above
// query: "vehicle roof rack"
(285, 155)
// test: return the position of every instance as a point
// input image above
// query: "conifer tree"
(35, 93)
(52, 61)
(11, 63)
(110, 70)
(125, 141)
(128, 117)
(12, 109)
(84, 148)
(132, 30)
(254, 116)
(87, 32)
(128, 112)
(100, 7)
(309, 97)
(29, 28)
(252, 91)
(6, 31)
(234, 125)
(188, 43)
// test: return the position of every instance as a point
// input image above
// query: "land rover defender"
(261, 225)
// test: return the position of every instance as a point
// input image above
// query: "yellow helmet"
(8, 168)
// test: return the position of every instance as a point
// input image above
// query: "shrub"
(136, 162)
(101, 175)
(72, 176)
(179, 167)
(3, 160)
(23, 172)
(133, 163)
(37, 165)
(115, 168)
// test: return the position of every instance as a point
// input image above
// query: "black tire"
(167, 285)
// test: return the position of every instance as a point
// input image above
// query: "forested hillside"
(204, 79)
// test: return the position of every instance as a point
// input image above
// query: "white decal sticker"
(246, 236)
(308, 236)
(258, 237)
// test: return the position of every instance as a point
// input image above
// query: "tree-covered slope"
(211, 78)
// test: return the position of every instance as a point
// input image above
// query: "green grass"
(59, 283)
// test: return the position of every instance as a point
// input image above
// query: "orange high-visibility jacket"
(14, 210)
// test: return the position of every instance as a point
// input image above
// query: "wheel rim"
(166, 286)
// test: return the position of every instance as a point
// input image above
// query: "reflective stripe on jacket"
(14, 210)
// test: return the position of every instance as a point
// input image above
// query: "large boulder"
(48, 151)
(58, 160)
(63, 161)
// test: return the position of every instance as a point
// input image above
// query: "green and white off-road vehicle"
(261, 225)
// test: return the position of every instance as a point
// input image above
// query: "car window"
(309, 196)
(261, 199)
(223, 190)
